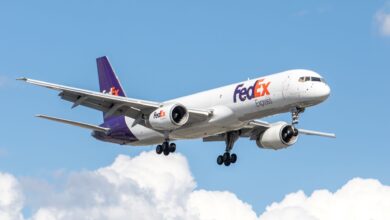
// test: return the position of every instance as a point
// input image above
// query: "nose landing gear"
(295, 113)
(227, 158)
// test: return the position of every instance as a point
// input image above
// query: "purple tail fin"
(108, 81)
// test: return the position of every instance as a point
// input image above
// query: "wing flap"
(218, 137)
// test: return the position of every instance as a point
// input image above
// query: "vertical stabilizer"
(109, 84)
(108, 81)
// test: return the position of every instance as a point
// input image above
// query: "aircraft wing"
(260, 126)
(110, 104)
(254, 128)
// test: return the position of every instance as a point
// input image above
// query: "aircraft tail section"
(108, 81)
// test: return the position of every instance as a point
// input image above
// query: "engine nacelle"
(279, 135)
(169, 117)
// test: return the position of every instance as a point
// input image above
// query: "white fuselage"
(236, 104)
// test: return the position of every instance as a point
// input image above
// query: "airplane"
(221, 114)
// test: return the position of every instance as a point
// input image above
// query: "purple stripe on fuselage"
(119, 132)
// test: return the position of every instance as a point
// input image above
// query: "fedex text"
(159, 114)
(258, 89)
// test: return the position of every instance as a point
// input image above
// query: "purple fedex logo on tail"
(259, 89)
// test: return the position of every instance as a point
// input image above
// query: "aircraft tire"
(226, 157)
(233, 158)
(220, 160)
(159, 149)
(172, 147)
(166, 152)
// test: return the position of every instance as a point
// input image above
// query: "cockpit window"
(315, 79)
(312, 78)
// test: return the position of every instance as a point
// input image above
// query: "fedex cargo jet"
(222, 114)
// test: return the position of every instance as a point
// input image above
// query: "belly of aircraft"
(151, 137)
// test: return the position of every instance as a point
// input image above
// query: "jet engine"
(279, 135)
(168, 117)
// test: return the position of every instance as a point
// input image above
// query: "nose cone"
(324, 92)
(316, 94)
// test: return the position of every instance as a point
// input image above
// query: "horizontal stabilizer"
(75, 123)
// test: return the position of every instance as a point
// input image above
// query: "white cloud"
(205, 205)
(150, 186)
(382, 18)
(145, 187)
(358, 199)
(11, 198)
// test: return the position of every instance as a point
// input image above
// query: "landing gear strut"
(227, 158)
(295, 117)
(166, 148)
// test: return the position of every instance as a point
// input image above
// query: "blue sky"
(161, 50)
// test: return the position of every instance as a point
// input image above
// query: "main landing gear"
(166, 148)
(227, 158)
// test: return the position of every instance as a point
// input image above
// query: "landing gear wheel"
(159, 149)
(220, 160)
(226, 157)
(233, 158)
(165, 147)
(172, 147)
